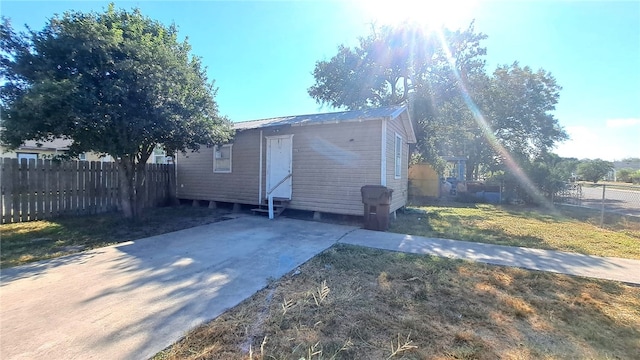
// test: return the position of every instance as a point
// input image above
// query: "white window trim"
(82, 156)
(28, 156)
(215, 150)
(397, 158)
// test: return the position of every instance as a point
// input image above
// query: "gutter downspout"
(260, 173)
(383, 154)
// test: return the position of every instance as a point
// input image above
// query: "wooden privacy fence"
(41, 189)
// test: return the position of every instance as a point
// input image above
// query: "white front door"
(279, 164)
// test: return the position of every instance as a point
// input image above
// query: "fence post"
(7, 189)
(604, 186)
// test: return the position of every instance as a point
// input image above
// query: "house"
(316, 162)
(31, 150)
(49, 149)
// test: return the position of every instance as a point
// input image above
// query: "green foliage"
(548, 173)
(458, 108)
(402, 65)
(624, 175)
(116, 83)
(594, 170)
(628, 176)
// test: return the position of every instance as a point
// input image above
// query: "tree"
(457, 107)
(512, 119)
(594, 170)
(628, 176)
(624, 175)
(116, 83)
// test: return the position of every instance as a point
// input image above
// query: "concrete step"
(278, 208)
(276, 201)
(275, 209)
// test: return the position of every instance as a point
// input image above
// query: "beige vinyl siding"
(196, 179)
(331, 162)
(399, 186)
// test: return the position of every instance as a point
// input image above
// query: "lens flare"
(488, 133)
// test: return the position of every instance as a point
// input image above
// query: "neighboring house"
(329, 157)
(49, 149)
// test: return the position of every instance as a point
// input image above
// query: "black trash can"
(376, 200)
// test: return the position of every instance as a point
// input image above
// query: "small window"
(82, 157)
(398, 157)
(27, 156)
(222, 159)
(159, 155)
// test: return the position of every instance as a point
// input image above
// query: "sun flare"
(429, 13)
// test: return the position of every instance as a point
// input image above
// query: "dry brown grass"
(355, 303)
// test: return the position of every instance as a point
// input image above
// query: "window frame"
(218, 150)
(397, 157)
(159, 155)
(27, 156)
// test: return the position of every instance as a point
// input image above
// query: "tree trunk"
(140, 183)
(469, 170)
(132, 172)
(132, 181)
(126, 187)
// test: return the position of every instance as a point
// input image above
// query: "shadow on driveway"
(134, 299)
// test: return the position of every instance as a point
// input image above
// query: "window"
(82, 157)
(159, 156)
(398, 157)
(27, 156)
(222, 159)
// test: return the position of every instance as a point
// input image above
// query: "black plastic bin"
(376, 200)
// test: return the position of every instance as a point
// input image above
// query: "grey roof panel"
(367, 114)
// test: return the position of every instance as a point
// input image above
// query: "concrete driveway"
(133, 299)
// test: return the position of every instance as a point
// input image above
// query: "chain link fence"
(616, 198)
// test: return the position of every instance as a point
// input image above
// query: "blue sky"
(261, 54)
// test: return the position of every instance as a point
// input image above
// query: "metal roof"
(390, 112)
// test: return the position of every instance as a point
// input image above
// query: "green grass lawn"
(21, 243)
(352, 302)
(565, 229)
